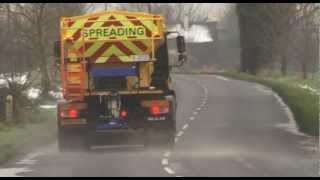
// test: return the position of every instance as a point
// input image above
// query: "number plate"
(161, 118)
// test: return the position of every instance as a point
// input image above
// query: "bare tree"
(15, 61)
(37, 25)
(276, 23)
(177, 13)
(306, 40)
(190, 12)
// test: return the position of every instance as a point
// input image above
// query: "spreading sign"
(105, 33)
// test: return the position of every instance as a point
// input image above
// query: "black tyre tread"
(70, 142)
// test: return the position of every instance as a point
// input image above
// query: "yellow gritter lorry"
(115, 78)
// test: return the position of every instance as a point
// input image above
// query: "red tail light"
(155, 110)
(73, 113)
(123, 114)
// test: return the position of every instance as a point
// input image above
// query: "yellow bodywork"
(108, 38)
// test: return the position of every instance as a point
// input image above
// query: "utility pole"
(105, 6)
(149, 6)
(8, 16)
(318, 40)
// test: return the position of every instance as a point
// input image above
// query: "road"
(224, 128)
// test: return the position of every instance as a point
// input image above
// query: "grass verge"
(15, 137)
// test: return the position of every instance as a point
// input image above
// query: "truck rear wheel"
(164, 141)
(163, 135)
(69, 141)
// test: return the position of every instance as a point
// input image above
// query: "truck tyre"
(69, 141)
(164, 137)
(165, 142)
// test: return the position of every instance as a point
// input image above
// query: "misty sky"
(215, 10)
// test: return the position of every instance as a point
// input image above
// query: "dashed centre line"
(185, 126)
(169, 170)
(176, 139)
(167, 154)
(180, 133)
(165, 160)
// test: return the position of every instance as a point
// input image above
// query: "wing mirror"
(181, 46)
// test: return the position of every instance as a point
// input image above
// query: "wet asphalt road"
(224, 128)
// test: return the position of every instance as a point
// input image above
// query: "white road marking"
(222, 78)
(245, 163)
(291, 126)
(116, 146)
(167, 154)
(185, 126)
(33, 155)
(27, 162)
(169, 170)
(180, 133)
(12, 172)
(176, 139)
(263, 89)
(164, 161)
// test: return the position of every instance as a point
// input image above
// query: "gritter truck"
(115, 79)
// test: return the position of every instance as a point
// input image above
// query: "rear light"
(123, 114)
(72, 113)
(156, 109)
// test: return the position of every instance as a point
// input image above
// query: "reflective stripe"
(101, 51)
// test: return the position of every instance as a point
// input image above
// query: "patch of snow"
(48, 106)
(3, 82)
(57, 95)
(305, 86)
(196, 33)
(20, 79)
(33, 93)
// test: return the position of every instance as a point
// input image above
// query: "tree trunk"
(45, 80)
(149, 6)
(284, 64)
(304, 70)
